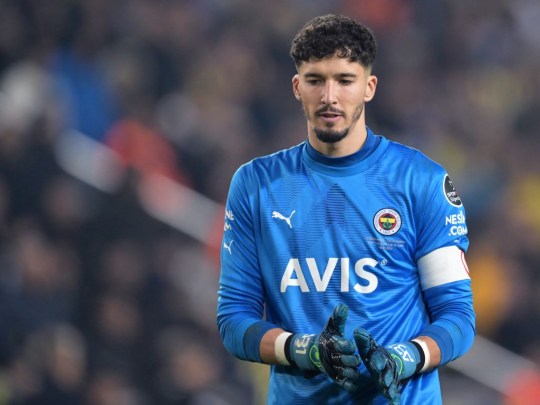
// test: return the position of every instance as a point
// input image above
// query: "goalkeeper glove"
(328, 352)
(391, 365)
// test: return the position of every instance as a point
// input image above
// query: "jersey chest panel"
(347, 234)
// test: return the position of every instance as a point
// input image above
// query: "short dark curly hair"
(332, 34)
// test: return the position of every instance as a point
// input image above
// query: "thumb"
(336, 323)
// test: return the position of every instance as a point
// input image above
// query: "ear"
(371, 86)
(295, 86)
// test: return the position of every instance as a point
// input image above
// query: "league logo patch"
(387, 221)
(450, 192)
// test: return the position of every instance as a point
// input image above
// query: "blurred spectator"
(51, 369)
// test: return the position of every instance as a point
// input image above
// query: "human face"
(333, 92)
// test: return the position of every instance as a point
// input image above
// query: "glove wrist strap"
(303, 351)
(424, 355)
(287, 350)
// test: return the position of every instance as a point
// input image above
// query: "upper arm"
(440, 216)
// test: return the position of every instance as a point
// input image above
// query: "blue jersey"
(304, 231)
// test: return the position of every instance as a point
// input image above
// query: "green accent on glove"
(315, 357)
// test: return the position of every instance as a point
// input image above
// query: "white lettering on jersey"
(321, 283)
(295, 276)
(456, 222)
(294, 267)
(359, 269)
(458, 230)
(455, 219)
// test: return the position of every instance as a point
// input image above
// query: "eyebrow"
(338, 75)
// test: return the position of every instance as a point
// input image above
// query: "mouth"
(330, 116)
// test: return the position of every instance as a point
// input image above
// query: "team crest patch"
(450, 192)
(387, 221)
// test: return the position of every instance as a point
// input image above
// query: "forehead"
(331, 66)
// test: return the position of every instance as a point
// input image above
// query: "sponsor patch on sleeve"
(450, 192)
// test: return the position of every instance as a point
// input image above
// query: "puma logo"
(278, 215)
(228, 247)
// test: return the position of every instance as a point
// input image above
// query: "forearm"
(242, 334)
(267, 348)
(453, 320)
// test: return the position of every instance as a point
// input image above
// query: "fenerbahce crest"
(387, 221)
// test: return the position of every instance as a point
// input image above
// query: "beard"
(329, 135)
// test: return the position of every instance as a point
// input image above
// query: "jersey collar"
(346, 165)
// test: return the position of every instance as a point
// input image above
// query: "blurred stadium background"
(121, 124)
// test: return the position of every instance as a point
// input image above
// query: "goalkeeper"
(343, 261)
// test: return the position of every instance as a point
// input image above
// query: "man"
(346, 231)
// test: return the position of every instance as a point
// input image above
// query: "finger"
(351, 373)
(363, 341)
(378, 361)
(348, 378)
(349, 385)
(353, 380)
(387, 379)
(343, 345)
(395, 398)
(349, 360)
(336, 323)
(343, 360)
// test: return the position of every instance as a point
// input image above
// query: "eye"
(314, 82)
(345, 82)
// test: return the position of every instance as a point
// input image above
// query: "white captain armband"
(442, 266)
(279, 348)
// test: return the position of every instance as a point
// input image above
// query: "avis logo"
(296, 274)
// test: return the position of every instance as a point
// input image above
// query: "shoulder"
(410, 168)
(281, 159)
(413, 158)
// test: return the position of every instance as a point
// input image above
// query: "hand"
(329, 352)
(380, 364)
(389, 366)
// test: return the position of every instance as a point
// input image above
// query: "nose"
(329, 93)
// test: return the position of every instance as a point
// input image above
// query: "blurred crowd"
(102, 303)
